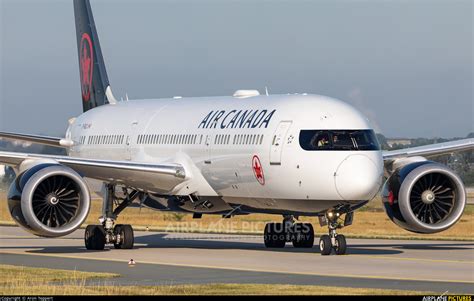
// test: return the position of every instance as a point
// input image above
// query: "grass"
(17, 280)
(13, 275)
(369, 222)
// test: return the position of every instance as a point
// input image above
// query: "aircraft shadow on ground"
(160, 241)
(420, 246)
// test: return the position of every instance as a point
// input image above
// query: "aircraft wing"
(430, 150)
(46, 140)
(153, 177)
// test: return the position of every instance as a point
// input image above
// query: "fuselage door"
(128, 152)
(130, 138)
(278, 141)
(208, 149)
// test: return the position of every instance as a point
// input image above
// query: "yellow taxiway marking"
(416, 259)
(6, 236)
(243, 269)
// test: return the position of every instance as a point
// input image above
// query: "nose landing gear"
(334, 241)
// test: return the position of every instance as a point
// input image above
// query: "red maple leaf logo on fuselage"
(258, 170)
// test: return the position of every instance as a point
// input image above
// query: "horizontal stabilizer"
(45, 140)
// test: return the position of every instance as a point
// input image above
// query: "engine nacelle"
(424, 197)
(49, 200)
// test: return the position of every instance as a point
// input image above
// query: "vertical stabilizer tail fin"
(95, 87)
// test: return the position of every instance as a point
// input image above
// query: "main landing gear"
(276, 235)
(121, 236)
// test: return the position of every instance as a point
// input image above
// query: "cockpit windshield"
(313, 140)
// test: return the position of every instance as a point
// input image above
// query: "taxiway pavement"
(184, 258)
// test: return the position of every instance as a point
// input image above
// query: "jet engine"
(49, 200)
(424, 197)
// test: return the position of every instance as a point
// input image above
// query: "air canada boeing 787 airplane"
(291, 155)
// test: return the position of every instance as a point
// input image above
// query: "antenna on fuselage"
(266, 90)
(126, 98)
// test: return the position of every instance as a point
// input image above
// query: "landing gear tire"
(125, 236)
(341, 246)
(325, 245)
(274, 235)
(267, 236)
(94, 237)
(121, 236)
(303, 236)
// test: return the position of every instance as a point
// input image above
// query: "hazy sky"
(408, 65)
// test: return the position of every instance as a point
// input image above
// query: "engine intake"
(49, 200)
(424, 197)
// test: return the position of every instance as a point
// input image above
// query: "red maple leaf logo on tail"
(86, 66)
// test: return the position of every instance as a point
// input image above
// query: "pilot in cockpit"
(323, 140)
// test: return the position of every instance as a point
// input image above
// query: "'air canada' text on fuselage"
(237, 119)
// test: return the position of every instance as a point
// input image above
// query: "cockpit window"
(319, 139)
(312, 140)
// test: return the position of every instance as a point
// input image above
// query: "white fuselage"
(217, 138)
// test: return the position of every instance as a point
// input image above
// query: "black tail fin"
(94, 81)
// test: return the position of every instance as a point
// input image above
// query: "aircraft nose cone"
(358, 178)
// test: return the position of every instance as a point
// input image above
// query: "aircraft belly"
(291, 205)
(238, 205)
